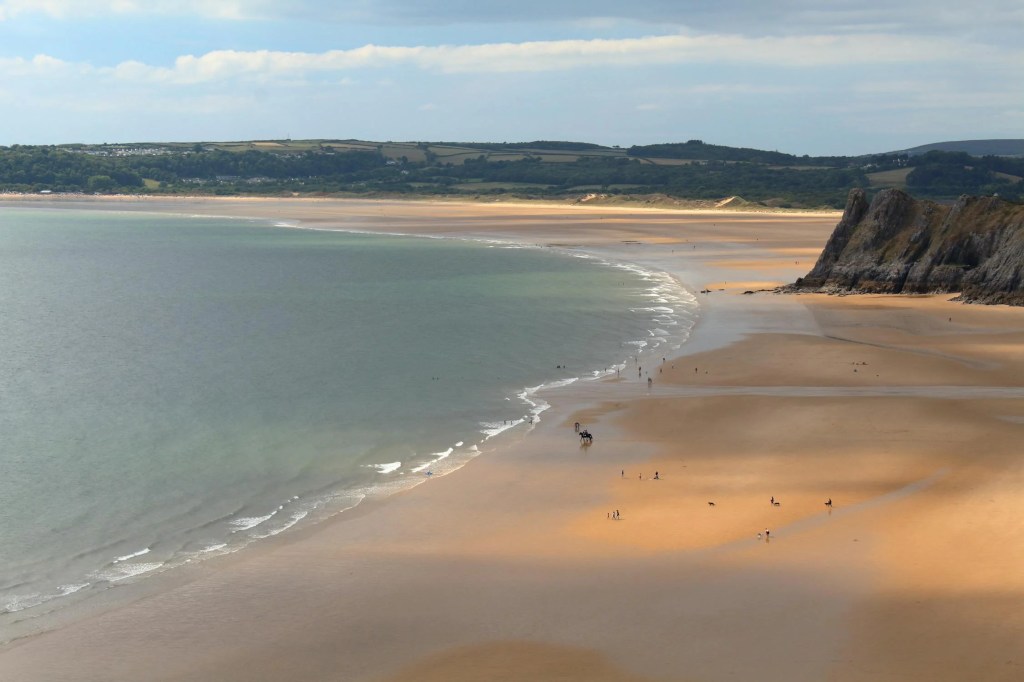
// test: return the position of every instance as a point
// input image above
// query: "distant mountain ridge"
(898, 244)
(1007, 147)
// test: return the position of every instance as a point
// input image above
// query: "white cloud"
(559, 55)
(39, 66)
(691, 80)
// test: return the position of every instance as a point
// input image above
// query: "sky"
(815, 77)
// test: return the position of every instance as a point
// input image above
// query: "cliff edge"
(897, 244)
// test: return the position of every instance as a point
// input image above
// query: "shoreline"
(531, 398)
(517, 202)
(514, 567)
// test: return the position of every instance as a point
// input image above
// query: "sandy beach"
(906, 412)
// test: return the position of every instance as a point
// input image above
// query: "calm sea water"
(174, 387)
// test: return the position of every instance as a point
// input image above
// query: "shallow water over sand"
(178, 387)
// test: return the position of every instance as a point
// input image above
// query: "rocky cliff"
(897, 244)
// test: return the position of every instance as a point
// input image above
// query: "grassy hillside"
(688, 171)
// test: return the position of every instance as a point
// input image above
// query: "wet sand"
(902, 410)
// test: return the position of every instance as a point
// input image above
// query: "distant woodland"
(691, 170)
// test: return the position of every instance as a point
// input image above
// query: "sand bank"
(512, 568)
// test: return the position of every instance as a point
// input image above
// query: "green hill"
(542, 169)
(1009, 147)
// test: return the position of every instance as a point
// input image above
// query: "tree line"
(701, 172)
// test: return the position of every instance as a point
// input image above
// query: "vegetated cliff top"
(898, 244)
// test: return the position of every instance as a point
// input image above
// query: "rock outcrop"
(901, 245)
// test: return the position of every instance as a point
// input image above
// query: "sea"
(179, 387)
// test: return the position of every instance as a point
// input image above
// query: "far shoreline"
(683, 206)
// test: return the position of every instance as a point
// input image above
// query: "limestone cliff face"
(901, 245)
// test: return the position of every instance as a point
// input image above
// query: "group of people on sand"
(640, 476)
(766, 535)
(586, 437)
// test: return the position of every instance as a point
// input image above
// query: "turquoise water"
(174, 387)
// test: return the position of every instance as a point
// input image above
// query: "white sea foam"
(65, 590)
(436, 457)
(295, 518)
(126, 557)
(654, 309)
(247, 522)
(21, 602)
(387, 467)
(213, 548)
(492, 429)
(123, 571)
